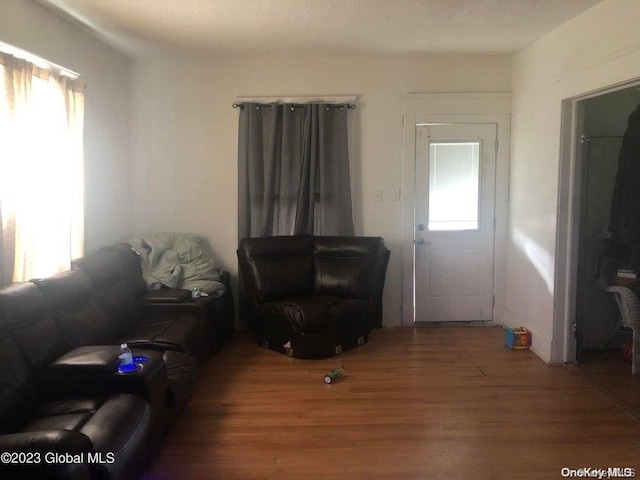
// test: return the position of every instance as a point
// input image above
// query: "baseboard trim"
(470, 323)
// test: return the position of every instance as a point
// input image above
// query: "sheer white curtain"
(41, 170)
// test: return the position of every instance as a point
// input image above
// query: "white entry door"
(454, 222)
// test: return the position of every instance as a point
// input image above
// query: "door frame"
(420, 109)
(564, 342)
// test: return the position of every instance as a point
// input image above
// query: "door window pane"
(454, 185)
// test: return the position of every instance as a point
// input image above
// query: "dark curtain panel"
(293, 170)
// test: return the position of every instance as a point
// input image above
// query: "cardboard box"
(624, 282)
(517, 338)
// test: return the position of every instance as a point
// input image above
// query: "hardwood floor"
(613, 376)
(428, 403)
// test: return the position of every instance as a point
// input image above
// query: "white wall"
(106, 73)
(598, 48)
(185, 136)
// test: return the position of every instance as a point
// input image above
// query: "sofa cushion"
(122, 313)
(279, 267)
(69, 297)
(118, 424)
(117, 288)
(86, 325)
(22, 311)
(121, 427)
(182, 373)
(109, 268)
(311, 314)
(115, 422)
(17, 388)
(103, 267)
(183, 333)
(69, 421)
(65, 290)
(120, 303)
(129, 258)
(66, 406)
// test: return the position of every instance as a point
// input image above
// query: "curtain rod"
(37, 60)
(350, 106)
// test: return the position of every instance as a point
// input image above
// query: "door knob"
(421, 227)
(420, 241)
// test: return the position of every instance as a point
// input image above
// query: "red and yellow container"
(517, 338)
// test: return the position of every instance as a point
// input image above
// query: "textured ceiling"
(318, 27)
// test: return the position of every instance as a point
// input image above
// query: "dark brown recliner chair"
(313, 296)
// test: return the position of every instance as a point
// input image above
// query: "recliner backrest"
(348, 266)
(69, 298)
(274, 268)
(129, 259)
(24, 315)
(117, 285)
(17, 386)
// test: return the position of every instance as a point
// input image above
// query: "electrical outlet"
(378, 197)
(395, 194)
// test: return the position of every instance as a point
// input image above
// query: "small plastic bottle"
(126, 357)
(334, 375)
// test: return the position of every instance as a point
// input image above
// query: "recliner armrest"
(35, 456)
(62, 441)
(86, 360)
(199, 307)
(150, 381)
(167, 295)
(169, 303)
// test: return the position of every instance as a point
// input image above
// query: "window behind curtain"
(293, 170)
(41, 170)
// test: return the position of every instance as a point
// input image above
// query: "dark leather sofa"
(313, 296)
(60, 391)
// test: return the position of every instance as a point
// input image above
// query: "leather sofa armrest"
(150, 381)
(167, 295)
(218, 312)
(61, 441)
(86, 360)
(200, 307)
(35, 456)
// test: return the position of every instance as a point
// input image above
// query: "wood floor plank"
(437, 403)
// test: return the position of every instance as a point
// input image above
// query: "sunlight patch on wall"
(538, 256)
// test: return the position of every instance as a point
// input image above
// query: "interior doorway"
(587, 315)
(586, 321)
(597, 314)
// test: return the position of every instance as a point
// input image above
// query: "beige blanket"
(177, 261)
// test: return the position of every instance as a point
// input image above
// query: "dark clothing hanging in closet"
(625, 204)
